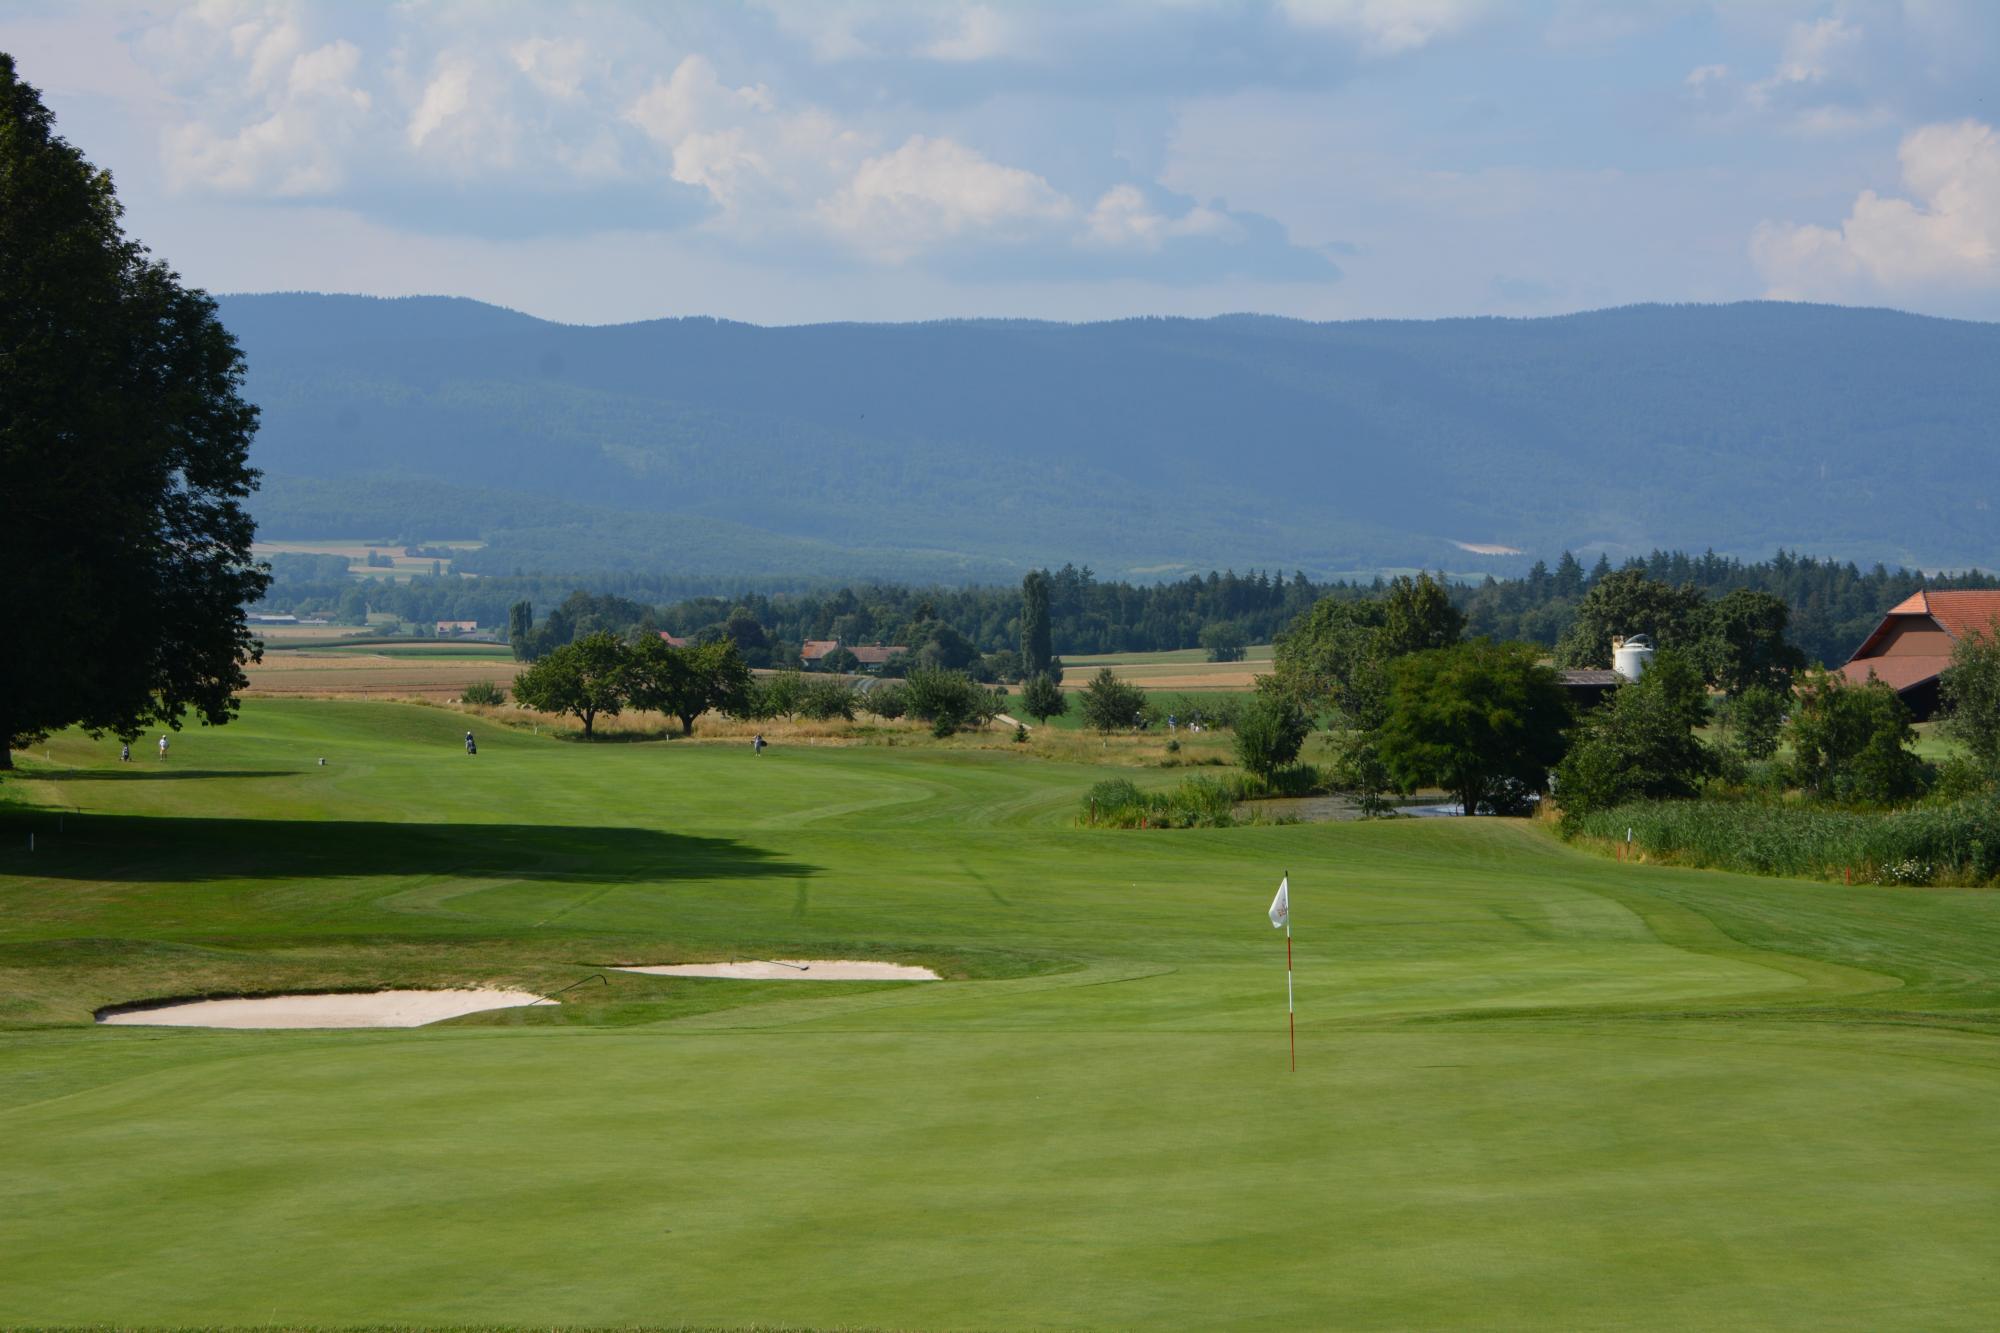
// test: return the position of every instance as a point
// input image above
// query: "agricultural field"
(1535, 1087)
(1182, 669)
(356, 553)
(406, 671)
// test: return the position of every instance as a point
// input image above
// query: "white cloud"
(1385, 27)
(933, 191)
(1122, 218)
(296, 106)
(1949, 236)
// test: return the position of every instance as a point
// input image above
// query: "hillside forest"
(1832, 605)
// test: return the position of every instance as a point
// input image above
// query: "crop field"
(356, 553)
(1185, 669)
(1535, 1088)
(441, 673)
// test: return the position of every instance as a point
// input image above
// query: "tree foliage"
(124, 447)
(1225, 641)
(1042, 699)
(1626, 603)
(1851, 743)
(1110, 704)
(1642, 744)
(949, 700)
(1270, 731)
(1743, 645)
(583, 679)
(1971, 697)
(1417, 616)
(1482, 720)
(1330, 658)
(1037, 646)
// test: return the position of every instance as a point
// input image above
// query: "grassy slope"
(1535, 1087)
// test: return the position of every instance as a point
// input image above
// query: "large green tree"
(1037, 647)
(1417, 616)
(1743, 645)
(1042, 699)
(585, 679)
(1628, 603)
(1331, 658)
(124, 445)
(1482, 720)
(1270, 732)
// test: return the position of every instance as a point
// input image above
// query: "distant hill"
(972, 449)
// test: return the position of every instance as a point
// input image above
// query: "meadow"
(1535, 1087)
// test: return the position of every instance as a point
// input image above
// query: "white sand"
(793, 969)
(376, 1009)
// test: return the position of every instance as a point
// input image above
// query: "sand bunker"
(375, 1009)
(793, 969)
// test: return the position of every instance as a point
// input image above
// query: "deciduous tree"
(1476, 720)
(1042, 699)
(583, 679)
(1110, 704)
(1642, 744)
(124, 444)
(1971, 696)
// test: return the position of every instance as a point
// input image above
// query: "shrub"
(948, 700)
(824, 700)
(1270, 733)
(887, 702)
(483, 692)
(1110, 704)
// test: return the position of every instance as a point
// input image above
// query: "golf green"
(1535, 1088)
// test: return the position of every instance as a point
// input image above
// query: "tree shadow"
(137, 774)
(145, 850)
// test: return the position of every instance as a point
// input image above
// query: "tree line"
(1831, 606)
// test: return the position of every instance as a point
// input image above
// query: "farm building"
(457, 626)
(1912, 646)
(672, 640)
(1588, 687)
(871, 657)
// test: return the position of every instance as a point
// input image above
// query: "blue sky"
(873, 159)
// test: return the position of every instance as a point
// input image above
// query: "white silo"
(1630, 657)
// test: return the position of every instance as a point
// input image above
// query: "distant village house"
(868, 657)
(457, 627)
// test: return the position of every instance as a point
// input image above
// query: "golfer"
(471, 746)
(125, 753)
(163, 745)
(757, 746)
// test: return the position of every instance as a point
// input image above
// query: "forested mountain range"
(971, 450)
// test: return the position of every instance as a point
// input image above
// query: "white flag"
(1281, 906)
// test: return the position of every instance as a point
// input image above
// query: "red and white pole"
(1291, 1014)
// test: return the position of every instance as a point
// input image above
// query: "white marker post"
(1281, 915)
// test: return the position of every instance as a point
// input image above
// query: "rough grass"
(1536, 1088)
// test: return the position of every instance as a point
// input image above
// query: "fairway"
(1536, 1088)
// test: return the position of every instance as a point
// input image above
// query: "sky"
(785, 162)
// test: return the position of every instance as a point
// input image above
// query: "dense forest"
(964, 451)
(1833, 604)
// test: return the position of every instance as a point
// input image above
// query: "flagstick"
(1291, 1015)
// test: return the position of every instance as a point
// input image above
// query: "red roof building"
(870, 657)
(1912, 646)
(672, 640)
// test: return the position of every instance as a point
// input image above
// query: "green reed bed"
(1948, 844)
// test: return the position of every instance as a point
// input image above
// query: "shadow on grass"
(138, 849)
(137, 774)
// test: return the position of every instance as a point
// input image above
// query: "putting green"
(1535, 1088)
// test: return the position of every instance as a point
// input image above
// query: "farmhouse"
(1912, 646)
(871, 657)
(457, 626)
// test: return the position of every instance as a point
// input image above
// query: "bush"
(1270, 733)
(824, 700)
(1042, 698)
(948, 700)
(1959, 842)
(887, 702)
(483, 692)
(1110, 704)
